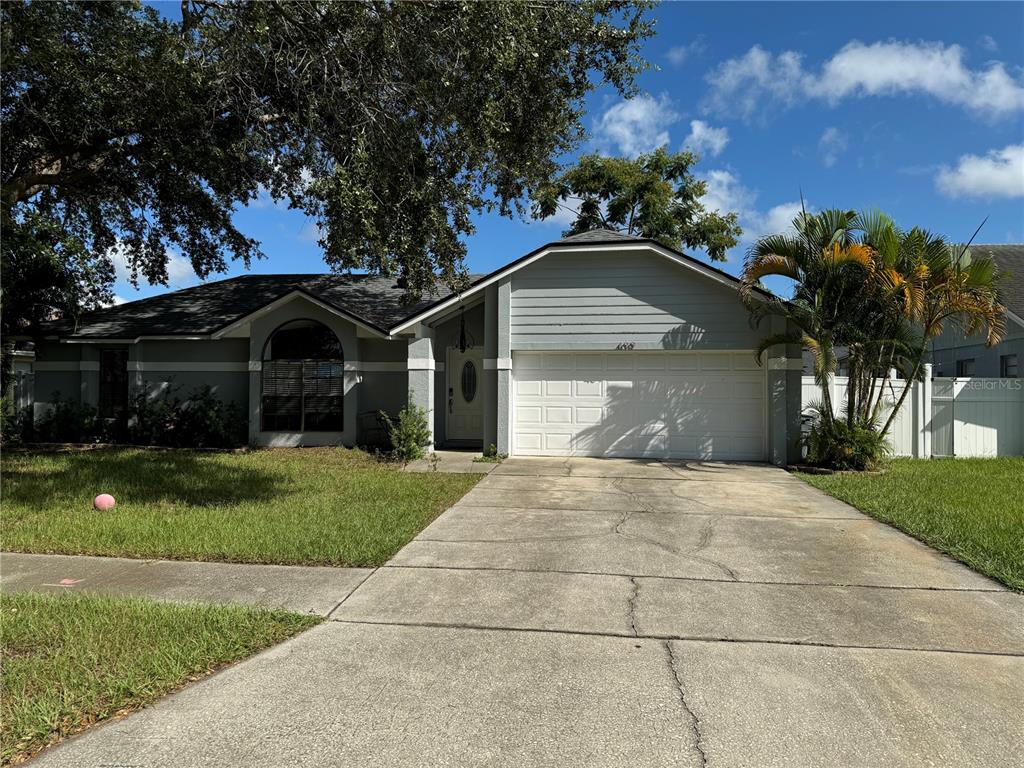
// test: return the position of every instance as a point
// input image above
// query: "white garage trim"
(664, 404)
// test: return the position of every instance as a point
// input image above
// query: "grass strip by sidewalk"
(323, 506)
(71, 660)
(971, 509)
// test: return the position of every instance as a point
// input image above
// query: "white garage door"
(686, 405)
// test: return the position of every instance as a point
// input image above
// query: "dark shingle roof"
(378, 301)
(597, 236)
(1009, 258)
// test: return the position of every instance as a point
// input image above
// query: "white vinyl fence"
(947, 417)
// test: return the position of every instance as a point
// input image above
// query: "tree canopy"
(655, 195)
(390, 123)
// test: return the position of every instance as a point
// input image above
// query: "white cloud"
(1000, 173)
(724, 193)
(831, 145)
(179, 269)
(777, 220)
(705, 139)
(727, 194)
(988, 43)
(759, 80)
(636, 125)
(678, 54)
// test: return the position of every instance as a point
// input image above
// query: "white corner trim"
(498, 364)
(422, 365)
(785, 364)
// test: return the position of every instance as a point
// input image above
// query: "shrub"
(834, 444)
(201, 421)
(152, 418)
(67, 421)
(15, 423)
(409, 433)
(206, 421)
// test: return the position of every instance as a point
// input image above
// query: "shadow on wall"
(175, 478)
(650, 418)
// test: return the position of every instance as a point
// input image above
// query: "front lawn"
(971, 509)
(71, 660)
(328, 506)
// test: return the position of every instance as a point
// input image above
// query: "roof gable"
(625, 244)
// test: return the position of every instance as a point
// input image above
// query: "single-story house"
(599, 344)
(954, 355)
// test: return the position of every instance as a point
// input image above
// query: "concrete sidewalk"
(578, 612)
(301, 589)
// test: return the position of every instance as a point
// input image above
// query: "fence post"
(925, 414)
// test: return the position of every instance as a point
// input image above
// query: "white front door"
(680, 405)
(465, 402)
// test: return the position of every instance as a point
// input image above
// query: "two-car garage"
(653, 404)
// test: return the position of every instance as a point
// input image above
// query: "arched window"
(303, 379)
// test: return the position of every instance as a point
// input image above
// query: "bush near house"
(409, 433)
(201, 420)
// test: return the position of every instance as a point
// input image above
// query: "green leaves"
(654, 196)
(390, 124)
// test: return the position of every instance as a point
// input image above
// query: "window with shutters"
(303, 379)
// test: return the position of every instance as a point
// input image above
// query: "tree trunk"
(906, 390)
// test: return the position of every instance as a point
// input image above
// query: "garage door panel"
(558, 388)
(558, 414)
(645, 404)
(590, 388)
(588, 416)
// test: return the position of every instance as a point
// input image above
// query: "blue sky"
(916, 108)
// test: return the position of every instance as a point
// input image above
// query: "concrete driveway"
(623, 613)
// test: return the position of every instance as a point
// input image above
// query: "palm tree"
(937, 284)
(828, 264)
(863, 285)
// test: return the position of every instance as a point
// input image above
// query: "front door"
(465, 406)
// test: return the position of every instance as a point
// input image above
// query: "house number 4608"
(626, 345)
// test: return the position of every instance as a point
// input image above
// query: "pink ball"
(103, 501)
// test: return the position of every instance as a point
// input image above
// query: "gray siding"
(602, 300)
(951, 346)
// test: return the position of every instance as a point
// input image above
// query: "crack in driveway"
(695, 724)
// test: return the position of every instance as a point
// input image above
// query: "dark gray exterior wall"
(951, 346)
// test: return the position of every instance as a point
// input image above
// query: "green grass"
(971, 509)
(72, 660)
(327, 506)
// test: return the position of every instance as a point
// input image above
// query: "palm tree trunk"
(906, 389)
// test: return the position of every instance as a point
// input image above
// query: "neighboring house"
(600, 344)
(954, 355)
